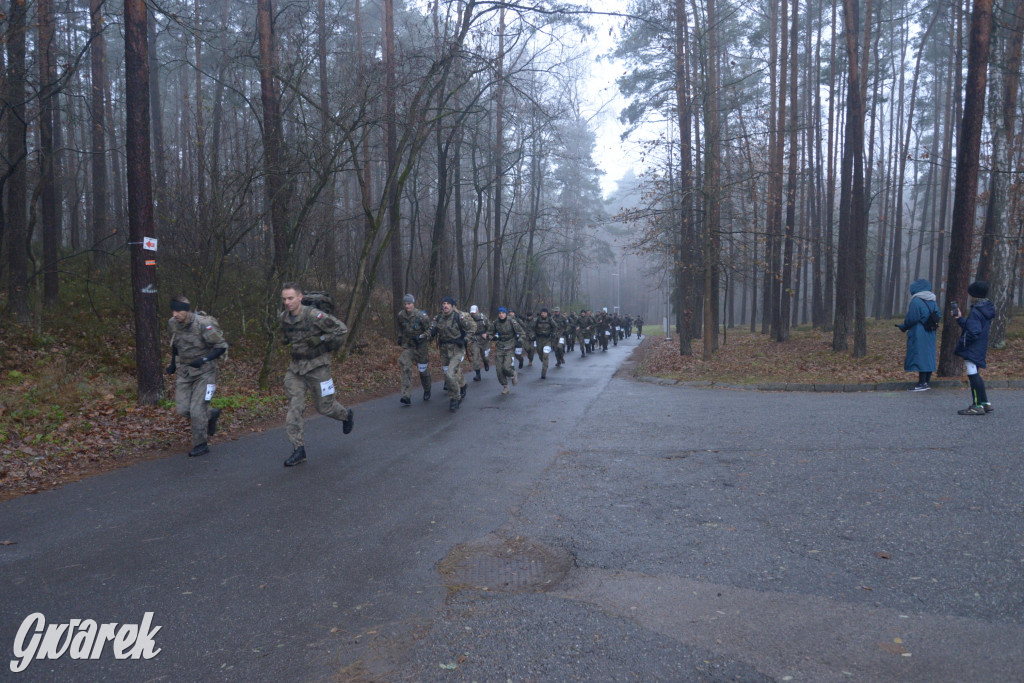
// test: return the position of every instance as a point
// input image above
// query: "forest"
(802, 163)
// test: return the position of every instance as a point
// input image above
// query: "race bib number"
(327, 387)
(519, 350)
(561, 340)
(547, 349)
(534, 344)
(487, 353)
(210, 388)
(586, 341)
(607, 333)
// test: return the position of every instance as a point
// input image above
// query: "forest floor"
(68, 410)
(744, 357)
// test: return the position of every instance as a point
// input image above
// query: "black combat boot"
(462, 392)
(201, 449)
(406, 401)
(425, 381)
(348, 422)
(487, 366)
(476, 377)
(297, 457)
(211, 425)
(453, 405)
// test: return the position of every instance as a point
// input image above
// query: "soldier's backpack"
(931, 323)
(322, 301)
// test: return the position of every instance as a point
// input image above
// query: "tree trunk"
(49, 195)
(998, 253)
(391, 133)
(712, 164)
(17, 183)
(273, 137)
(99, 224)
(685, 237)
(140, 204)
(786, 300)
(499, 166)
(965, 194)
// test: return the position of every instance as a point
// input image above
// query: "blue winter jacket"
(973, 343)
(920, 342)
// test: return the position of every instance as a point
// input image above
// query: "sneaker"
(504, 389)
(923, 386)
(297, 457)
(211, 425)
(348, 422)
(406, 401)
(972, 410)
(201, 449)
(988, 407)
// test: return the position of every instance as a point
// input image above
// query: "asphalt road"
(587, 527)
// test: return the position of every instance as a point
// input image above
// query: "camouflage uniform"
(452, 330)
(414, 329)
(562, 327)
(194, 387)
(639, 327)
(477, 344)
(531, 339)
(308, 334)
(616, 325)
(545, 332)
(587, 329)
(571, 324)
(507, 335)
(604, 334)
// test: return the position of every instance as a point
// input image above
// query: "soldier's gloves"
(198, 362)
(172, 368)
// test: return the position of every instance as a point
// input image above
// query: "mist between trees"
(803, 171)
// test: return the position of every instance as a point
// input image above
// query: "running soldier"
(545, 332)
(414, 338)
(197, 340)
(562, 327)
(478, 345)
(452, 329)
(508, 335)
(311, 334)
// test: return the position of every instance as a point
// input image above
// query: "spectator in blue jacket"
(920, 340)
(973, 345)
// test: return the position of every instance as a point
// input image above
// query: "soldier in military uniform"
(523, 342)
(310, 334)
(197, 341)
(586, 333)
(601, 324)
(562, 328)
(545, 332)
(572, 324)
(639, 327)
(507, 334)
(452, 329)
(414, 338)
(531, 340)
(478, 345)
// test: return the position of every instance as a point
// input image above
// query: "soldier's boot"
(520, 362)
(406, 401)
(487, 366)
(425, 381)
(201, 449)
(297, 457)
(462, 393)
(476, 377)
(211, 425)
(544, 374)
(504, 389)
(348, 422)
(453, 405)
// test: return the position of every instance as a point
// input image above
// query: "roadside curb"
(828, 387)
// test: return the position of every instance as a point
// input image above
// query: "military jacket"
(453, 328)
(308, 335)
(586, 324)
(561, 323)
(507, 334)
(196, 337)
(480, 320)
(544, 329)
(414, 328)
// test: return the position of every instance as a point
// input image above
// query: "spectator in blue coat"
(920, 340)
(973, 345)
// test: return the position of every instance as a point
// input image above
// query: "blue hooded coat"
(920, 342)
(973, 343)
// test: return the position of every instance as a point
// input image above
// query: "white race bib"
(210, 388)
(561, 340)
(607, 333)
(534, 344)
(487, 353)
(422, 367)
(547, 349)
(519, 350)
(586, 341)
(327, 387)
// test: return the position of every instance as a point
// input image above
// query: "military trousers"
(559, 347)
(504, 364)
(414, 359)
(477, 348)
(320, 386)
(192, 393)
(452, 356)
(543, 356)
